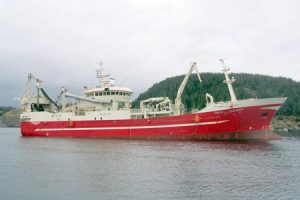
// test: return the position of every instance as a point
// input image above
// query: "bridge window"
(100, 93)
(113, 93)
(96, 94)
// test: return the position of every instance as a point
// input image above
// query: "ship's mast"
(103, 77)
(228, 81)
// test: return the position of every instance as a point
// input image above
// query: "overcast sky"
(142, 42)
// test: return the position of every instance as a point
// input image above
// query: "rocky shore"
(11, 118)
(286, 125)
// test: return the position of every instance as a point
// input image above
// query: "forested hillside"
(246, 86)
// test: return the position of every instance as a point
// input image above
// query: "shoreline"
(286, 125)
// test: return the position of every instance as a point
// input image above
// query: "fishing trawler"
(105, 111)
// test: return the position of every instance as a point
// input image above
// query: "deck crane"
(178, 107)
(164, 103)
(28, 87)
(29, 99)
(39, 102)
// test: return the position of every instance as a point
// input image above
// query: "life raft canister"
(197, 118)
(71, 124)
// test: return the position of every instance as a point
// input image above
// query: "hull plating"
(230, 124)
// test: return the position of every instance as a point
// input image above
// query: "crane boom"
(28, 88)
(182, 86)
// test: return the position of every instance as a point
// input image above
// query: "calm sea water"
(53, 168)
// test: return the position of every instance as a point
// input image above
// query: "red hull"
(231, 124)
